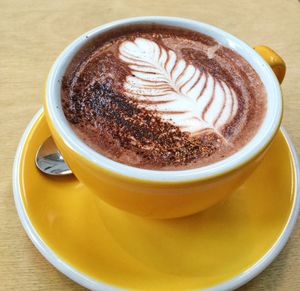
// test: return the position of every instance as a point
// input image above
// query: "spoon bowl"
(49, 160)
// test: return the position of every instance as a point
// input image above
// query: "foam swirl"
(190, 98)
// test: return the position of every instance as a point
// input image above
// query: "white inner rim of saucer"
(93, 284)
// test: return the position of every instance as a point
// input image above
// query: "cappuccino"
(162, 98)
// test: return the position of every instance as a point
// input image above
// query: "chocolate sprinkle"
(136, 129)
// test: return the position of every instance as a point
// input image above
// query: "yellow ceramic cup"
(165, 194)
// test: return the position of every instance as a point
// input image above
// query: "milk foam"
(159, 97)
(181, 93)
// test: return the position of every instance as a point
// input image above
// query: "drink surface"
(162, 98)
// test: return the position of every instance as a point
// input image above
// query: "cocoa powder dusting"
(157, 143)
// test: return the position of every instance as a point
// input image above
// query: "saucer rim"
(93, 284)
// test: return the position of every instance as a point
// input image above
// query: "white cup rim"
(259, 142)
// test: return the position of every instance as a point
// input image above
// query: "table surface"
(32, 35)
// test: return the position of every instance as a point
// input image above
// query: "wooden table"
(32, 35)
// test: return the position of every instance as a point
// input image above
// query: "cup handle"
(274, 60)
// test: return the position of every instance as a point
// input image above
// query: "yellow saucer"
(103, 248)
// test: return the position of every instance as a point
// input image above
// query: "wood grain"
(32, 35)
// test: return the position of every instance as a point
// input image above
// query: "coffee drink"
(161, 97)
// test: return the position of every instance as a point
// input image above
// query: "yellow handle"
(274, 60)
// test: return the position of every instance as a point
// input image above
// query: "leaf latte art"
(162, 98)
(190, 98)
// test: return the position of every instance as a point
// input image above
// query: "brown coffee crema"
(163, 98)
